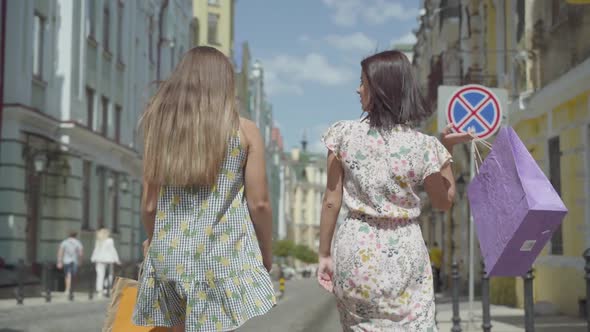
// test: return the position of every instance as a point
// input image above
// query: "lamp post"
(460, 185)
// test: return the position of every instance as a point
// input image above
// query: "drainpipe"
(161, 40)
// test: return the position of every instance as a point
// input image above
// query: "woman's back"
(383, 169)
(210, 227)
(204, 257)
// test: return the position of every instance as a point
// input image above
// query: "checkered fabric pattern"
(204, 265)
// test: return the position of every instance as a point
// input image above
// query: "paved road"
(305, 307)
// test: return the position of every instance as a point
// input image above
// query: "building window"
(86, 178)
(101, 195)
(558, 11)
(118, 112)
(520, 14)
(120, 12)
(151, 39)
(213, 2)
(213, 22)
(38, 24)
(195, 32)
(555, 178)
(106, 24)
(115, 201)
(89, 107)
(105, 116)
(90, 4)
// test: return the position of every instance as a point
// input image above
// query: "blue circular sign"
(474, 107)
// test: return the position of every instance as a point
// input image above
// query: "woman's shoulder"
(420, 136)
(248, 131)
(343, 126)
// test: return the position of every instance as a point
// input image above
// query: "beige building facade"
(214, 24)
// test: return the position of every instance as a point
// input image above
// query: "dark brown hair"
(394, 95)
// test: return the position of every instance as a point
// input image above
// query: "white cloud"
(349, 12)
(317, 146)
(357, 41)
(408, 38)
(275, 86)
(304, 38)
(287, 73)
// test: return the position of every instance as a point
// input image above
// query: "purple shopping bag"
(514, 207)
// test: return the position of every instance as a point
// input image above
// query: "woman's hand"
(325, 273)
(449, 138)
(267, 261)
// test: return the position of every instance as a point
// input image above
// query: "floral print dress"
(204, 264)
(382, 273)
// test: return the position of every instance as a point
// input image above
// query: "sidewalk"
(504, 319)
(60, 315)
(56, 298)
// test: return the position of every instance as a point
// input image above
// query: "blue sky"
(311, 52)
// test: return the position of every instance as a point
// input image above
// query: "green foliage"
(283, 248)
(305, 254)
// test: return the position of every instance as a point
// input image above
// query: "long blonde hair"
(188, 122)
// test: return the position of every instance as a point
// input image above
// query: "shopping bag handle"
(477, 154)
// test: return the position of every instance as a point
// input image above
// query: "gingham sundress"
(204, 264)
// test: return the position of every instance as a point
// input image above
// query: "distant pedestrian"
(436, 254)
(104, 257)
(205, 206)
(69, 257)
(379, 268)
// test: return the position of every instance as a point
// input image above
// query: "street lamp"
(40, 162)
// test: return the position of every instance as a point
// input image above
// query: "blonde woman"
(104, 256)
(206, 205)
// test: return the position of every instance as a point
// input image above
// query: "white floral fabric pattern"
(382, 274)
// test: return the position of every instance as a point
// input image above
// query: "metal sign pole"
(471, 239)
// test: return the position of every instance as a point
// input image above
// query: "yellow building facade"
(539, 52)
(306, 193)
(552, 117)
(214, 24)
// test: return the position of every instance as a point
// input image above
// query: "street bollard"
(587, 268)
(73, 279)
(456, 317)
(71, 294)
(282, 287)
(108, 280)
(46, 277)
(20, 283)
(485, 300)
(529, 306)
(91, 280)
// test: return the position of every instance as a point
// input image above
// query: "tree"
(283, 248)
(305, 254)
